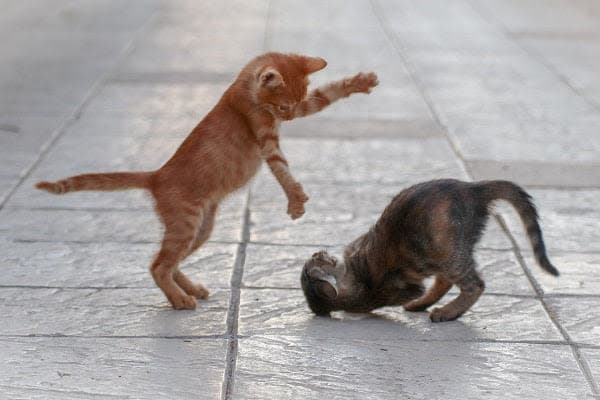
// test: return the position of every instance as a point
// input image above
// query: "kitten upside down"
(429, 229)
(220, 155)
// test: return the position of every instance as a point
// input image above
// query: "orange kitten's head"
(281, 81)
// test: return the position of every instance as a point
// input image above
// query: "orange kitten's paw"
(297, 198)
(184, 302)
(361, 83)
(200, 292)
(296, 210)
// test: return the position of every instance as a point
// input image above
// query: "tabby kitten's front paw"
(361, 83)
(440, 314)
(296, 202)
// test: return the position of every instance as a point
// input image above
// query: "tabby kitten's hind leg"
(437, 291)
(471, 287)
(206, 226)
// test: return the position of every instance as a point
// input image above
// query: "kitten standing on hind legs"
(220, 155)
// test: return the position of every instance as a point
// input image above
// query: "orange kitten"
(220, 155)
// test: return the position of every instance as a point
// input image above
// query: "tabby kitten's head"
(320, 283)
(281, 81)
(332, 285)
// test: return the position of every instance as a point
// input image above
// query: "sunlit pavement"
(475, 89)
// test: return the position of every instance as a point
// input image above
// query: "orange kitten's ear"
(314, 64)
(270, 78)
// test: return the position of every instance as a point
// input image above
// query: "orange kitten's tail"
(109, 181)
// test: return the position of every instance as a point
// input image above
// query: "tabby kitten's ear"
(314, 64)
(270, 78)
(326, 284)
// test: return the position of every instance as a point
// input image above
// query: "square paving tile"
(316, 367)
(107, 312)
(99, 226)
(106, 265)
(579, 273)
(579, 316)
(154, 99)
(568, 218)
(373, 161)
(592, 356)
(284, 312)
(141, 368)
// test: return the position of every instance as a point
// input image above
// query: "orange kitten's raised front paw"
(296, 202)
(361, 83)
(296, 210)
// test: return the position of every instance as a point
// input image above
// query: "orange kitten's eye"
(283, 108)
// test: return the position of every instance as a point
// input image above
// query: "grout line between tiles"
(234, 305)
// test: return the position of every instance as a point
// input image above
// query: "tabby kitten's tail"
(522, 202)
(108, 181)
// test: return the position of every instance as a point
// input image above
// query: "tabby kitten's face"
(283, 82)
(326, 283)
(331, 285)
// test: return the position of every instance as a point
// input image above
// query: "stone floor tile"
(21, 140)
(592, 356)
(568, 218)
(99, 226)
(284, 312)
(107, 312)
(315, 368)
(319, 127)
(579, 273)
(516, 144)
(556, 18)
(185, 34)
(278, 266)
(375, 161)
(578, 316)
(538, 173)
(105, 265)
(75, 368)
(143, 127)
(155, 99)
(6, 186)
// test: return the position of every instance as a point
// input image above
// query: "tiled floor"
(470, 89)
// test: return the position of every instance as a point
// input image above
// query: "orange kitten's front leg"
(324, 95)
(268, 140)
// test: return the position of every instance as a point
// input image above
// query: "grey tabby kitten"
(428, 229)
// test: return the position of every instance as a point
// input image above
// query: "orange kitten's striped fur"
(220, 155)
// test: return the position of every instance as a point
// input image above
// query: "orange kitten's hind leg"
(208, 221)
(181, 222)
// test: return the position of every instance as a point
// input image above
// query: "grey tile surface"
(107, 312)
(105, 265)
(281, 312)
(292, 367)
(469, 89)
(578, 315)
(568, 219)
(579, 273)
(84, 368)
